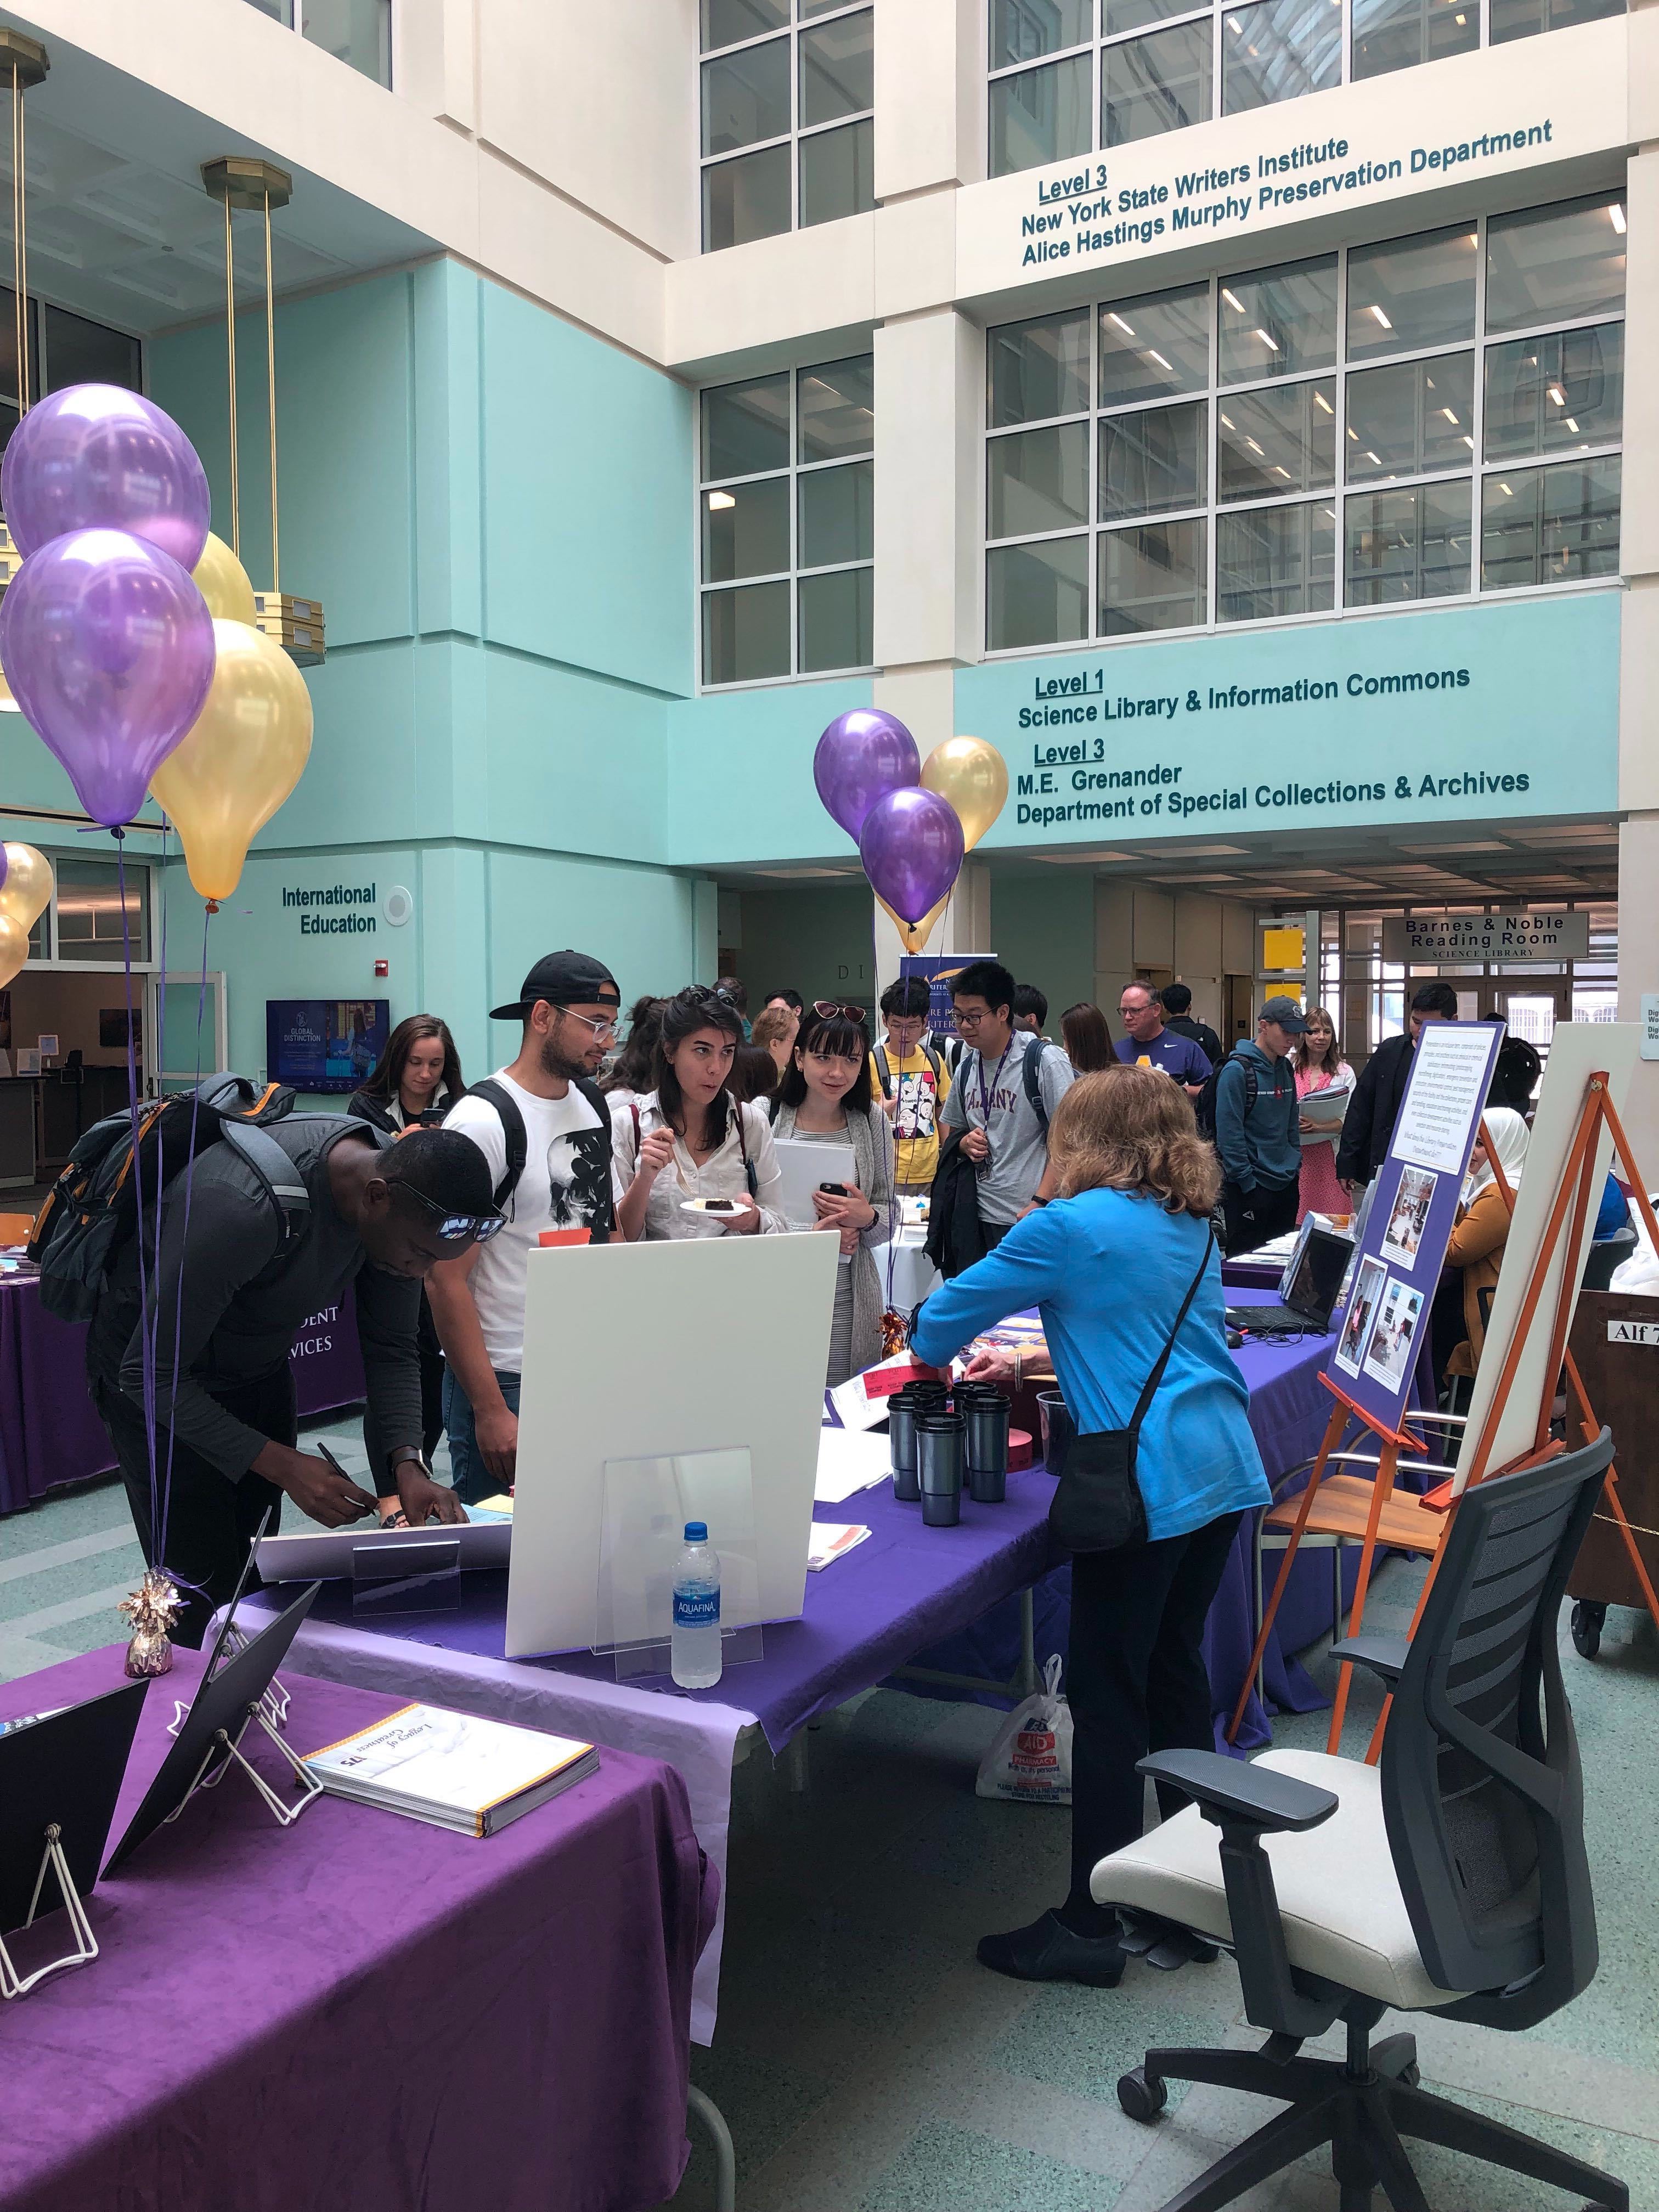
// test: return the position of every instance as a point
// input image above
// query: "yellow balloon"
(239, 759)
(222, 581)
(914, 936)
(974, 777)
(27, 887)
(14, 947)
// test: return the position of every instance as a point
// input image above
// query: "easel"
(1418, 1524)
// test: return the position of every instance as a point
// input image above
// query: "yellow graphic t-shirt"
(919, 1094)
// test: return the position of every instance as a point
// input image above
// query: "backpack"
(1030, 1073)
(1204, 1104)
(92, 1209)
(518, 1144)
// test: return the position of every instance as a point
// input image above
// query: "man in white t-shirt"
(545, 1132)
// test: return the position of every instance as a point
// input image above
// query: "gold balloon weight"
(151, 1608)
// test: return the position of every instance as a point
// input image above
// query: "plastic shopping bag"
(1031, 1760)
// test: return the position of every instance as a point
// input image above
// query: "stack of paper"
(832, 1539)
(452, 1769)
(849, 1461)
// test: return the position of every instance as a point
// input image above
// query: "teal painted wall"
(816, 939)
(1043, 928)
(739, 773)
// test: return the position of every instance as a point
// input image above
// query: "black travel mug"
(988, 1449)
(902, 1411)
(1058, 1429)
(939, 1443)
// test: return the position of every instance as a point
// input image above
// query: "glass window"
(1415, 416)
(837, 517)
(1554, 265)
(77, 351)
(1275, 561)
(745, 531)
(1038, 369)
(1546, 394)
(1277, 322)
(838, 173)
(746, 199)
(746, 427)
(746, 97)
(837, 620)
(1037, 594)
(1280, 439)
(1131, 15)
(1524, 18)
(835, 407)
(1549, 525)
(1412, 293)
(355, 32)
(9, 344)
(1037, 479)
(1279, 50)
(90, 910)
(1152, 578)
(1041, 115)
(1412, 544)
(726, 22)
(1155, 459)
(1026, 30)
(837, 69)
(1157, 344)
(1396, 35)
(745, 633)
(1160, 82)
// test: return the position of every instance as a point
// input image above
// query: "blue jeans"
(471, 1478)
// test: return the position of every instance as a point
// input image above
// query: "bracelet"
(1019, 1368)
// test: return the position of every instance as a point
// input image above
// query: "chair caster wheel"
(1143, 2097)
(1412, 2076)
(1588, 1618)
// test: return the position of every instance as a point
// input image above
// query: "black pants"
(1257, 1216)
(1137, 1683)
(211, 1520)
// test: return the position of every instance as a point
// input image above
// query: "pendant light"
(23, 62)
(240, 181)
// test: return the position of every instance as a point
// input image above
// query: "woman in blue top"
(1107, 1265)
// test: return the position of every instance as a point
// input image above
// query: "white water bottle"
(695, 1647)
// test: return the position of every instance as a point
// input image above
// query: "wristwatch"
(403, 1454)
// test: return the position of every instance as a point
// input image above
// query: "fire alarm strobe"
(382, 967)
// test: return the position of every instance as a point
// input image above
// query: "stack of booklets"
(452, 1769)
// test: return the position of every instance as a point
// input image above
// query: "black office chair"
(1607, 1254)
(1451, 1878)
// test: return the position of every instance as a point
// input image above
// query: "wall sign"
(1538, 934)
(1650, 1025)
(335, 911)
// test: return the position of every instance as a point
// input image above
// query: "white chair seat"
(1339, 1895)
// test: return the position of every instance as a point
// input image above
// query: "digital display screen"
(324, 1044)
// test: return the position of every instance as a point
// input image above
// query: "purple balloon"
(96, 457)
(911, 848)
(860, 757)
(107, 645)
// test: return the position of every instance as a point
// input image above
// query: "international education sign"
(1509, 709)
(1462, 121)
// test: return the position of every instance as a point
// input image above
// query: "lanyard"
(986, 1092)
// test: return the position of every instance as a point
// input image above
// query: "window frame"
(798, 134)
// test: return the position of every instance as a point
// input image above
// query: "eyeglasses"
(968, 1019)
(455, 1228)
(828, 1009)
(601, 1029)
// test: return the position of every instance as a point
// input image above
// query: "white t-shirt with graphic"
(564, 1184)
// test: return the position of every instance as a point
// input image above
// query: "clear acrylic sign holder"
(646, 1504)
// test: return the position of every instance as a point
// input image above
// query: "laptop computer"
(1309, 1288)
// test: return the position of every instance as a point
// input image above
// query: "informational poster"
(324, 1044)
(1409, 1222)
(936, 969)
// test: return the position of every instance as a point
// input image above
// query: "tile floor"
(866, 2063)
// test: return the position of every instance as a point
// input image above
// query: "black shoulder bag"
(1097, 1506)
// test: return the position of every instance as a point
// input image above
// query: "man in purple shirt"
(1148, 1044)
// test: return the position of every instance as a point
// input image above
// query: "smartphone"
(834, 1189)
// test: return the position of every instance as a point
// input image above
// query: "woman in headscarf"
(1482, 1230)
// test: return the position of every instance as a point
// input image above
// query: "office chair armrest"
(1384, 1654)
(1229, 1793)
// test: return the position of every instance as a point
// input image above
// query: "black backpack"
(92, 1209)
(1031, 1073)
(1204, 1104)
(518, 1145)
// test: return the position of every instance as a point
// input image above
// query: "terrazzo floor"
(866, 2062)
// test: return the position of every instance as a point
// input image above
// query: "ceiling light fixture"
(1152, 353)
(1232, 298)
(1122, 325)
(1380, 317)
(718, 500)
(1320, 400)
(1616, 217)
(1272, 344)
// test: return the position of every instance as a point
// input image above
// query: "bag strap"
(749, 1175)
(513, 1129)
(883, 1068)
(1157, 1375)
(277, 1171)
(1032, 1072)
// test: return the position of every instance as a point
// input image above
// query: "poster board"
(936, 970)
(1408, 1224)
(636, 1351)
(1499, 1433)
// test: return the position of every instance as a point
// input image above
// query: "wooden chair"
(14, 1228)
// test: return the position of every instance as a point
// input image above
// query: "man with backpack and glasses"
(1008, 1085)
(544, 1128)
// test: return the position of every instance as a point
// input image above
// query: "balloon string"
(189, 1180)
(158, 1048)
(146, 1340)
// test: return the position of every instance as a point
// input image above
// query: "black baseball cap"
(1287, 1014)
(562, 978)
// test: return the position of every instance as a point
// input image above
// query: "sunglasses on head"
(827, 1010)
(455, 1228)
(706, 994)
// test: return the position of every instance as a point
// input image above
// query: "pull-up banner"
(1413, 1207)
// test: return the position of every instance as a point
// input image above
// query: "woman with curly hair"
(1107, 1265)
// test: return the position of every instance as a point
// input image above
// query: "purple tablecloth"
(362, 2012)
(49, 1433)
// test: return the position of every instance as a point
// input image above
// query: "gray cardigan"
(871, 1136)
